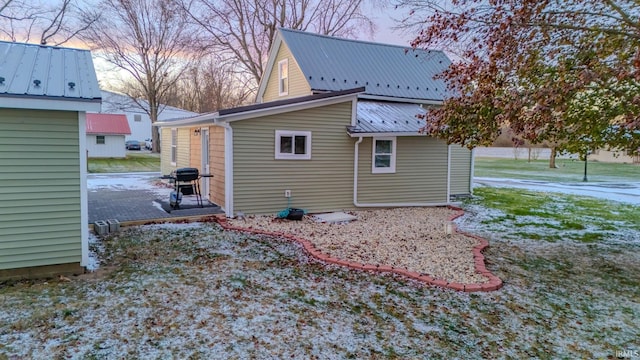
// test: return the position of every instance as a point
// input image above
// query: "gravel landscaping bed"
(409, 238)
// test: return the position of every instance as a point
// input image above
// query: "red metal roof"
(107, 124)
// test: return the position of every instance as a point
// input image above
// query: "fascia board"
(269, 67)
(287, 108)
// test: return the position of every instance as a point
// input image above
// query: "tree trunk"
(552, 158)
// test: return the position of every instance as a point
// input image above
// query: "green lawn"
(567, 171)
(142, 162)
(519, 214)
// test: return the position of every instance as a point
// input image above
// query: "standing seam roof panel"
(55, 81)
(54, 67)
(385, 70)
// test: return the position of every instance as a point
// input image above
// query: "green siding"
(40, 221)
(460, 170)
(298, 85)
(420, 177)
(324, 183)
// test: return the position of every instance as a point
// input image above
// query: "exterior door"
(204, 136)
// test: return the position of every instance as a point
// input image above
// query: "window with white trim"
(383, 155)
(174, 146)
(293, 145)
(100, 140)
(283, 77)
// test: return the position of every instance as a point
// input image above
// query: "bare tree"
(210, 84)
(246, 28)
(49, 23)
(149, 40)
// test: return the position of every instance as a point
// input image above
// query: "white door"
(204, 135)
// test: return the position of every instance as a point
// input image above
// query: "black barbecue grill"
(186, 182)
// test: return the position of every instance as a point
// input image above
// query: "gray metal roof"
(387, 117)
(331, 63)
(39, 71)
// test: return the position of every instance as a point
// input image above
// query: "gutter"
(374, 205)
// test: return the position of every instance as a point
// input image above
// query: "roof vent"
(321, 77)
(345, 81)
(71, 85)
(310, 77)
(1, 80)
(367, 83)
(334, 79)
(398, 86)
(408, 87)
(36, 82)
(356, 82)
(387, 85)
(417, 87)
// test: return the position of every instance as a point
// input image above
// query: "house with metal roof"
(335, 126)
(45, 92)
(106, 135)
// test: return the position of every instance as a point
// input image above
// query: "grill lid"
(186, 174)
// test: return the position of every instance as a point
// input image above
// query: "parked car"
(148, 144)
(132, 145)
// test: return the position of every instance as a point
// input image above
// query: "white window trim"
(385, 170)
(282, 156)
(280, 90)
(104, 140)
(174, 146)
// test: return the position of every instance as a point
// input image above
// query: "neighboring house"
(335, 124)
(139, 120)
(623, 157)
(105, 135)
(45, 93)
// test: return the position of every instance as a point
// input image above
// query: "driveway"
(628, 192)
(137, 196)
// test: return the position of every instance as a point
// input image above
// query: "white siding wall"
(113, 146)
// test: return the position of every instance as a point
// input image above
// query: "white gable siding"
(113, 147)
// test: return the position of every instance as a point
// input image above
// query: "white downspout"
(355, 171)
(473, 165)
(84, 202)
(448, 172)
(373, 205)
(228, 169)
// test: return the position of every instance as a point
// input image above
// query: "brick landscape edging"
(493, 284)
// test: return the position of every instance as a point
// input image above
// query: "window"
(100, 139)
(137, 117)
(383, 155)
(283, 77)
(174, 146)
(293, 145)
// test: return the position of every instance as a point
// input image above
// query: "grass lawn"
(567, 171)
(134, 162)
(195, 291)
